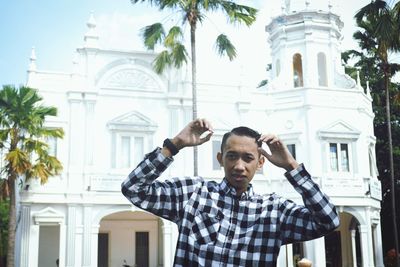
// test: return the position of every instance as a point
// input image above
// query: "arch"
(322, 73)
(130, 74)
(138, 235)
(297, 70)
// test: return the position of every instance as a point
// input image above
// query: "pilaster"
(364, 245)
(87, 234)
(70, 240)
(25, 225)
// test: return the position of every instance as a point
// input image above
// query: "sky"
(56, 29)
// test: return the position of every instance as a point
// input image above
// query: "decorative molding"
(339, 130)
(132, 79)
(132, 121)
(48, 216)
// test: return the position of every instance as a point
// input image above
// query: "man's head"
(240, 157)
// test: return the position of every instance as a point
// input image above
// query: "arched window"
(322, 78)
(278, 67)
(297, 71)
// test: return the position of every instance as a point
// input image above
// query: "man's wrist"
(177, 143)
(292, 165)
(171, 147)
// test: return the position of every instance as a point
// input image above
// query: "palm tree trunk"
(11, 222)
(194, 92)
(392, 179)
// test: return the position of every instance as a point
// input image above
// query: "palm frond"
(174, 36)
(18, 160)
(179, 55)
(239, 13)
(153, 35)
(162, 61)
(225, 47)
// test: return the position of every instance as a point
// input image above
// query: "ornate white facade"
(114, 108)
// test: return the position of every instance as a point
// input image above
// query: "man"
(226, 223)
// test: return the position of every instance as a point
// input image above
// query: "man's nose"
(240, 165)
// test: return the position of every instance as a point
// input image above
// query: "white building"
(114, 108)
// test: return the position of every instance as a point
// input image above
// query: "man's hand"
(280, 155)
(193, 134)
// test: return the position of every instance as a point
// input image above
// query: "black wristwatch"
(171, 147)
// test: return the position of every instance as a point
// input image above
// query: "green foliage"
(22, 134)
(378, 37)
(26, 155)
(193, 12)
(4, 204)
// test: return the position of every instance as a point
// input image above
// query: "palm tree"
(380, 27)
(22, 139)
(175, 54)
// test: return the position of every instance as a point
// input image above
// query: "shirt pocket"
(206, 226)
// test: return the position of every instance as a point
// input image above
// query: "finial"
(32, 59)
(91, 22)
(358, 79)
(91, 38)
(368, 90)
(330, 5)
(307, 4)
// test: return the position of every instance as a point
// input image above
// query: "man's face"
(240, 159)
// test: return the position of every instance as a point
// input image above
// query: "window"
(297, 71)
(142, 249)
(292, 149)
(130, 150)
(52, 143)
(216, 147)
(102, 250)
(322, 77)
(339, 157)
(278, 67)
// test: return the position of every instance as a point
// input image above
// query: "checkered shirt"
(217, 228)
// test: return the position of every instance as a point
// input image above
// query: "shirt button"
(229, 239)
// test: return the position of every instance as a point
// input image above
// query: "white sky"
(56, 29)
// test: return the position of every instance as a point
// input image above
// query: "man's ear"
(219, 158)
(261, 161)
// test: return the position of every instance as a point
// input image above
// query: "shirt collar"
(228, 189)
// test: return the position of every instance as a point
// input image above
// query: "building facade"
(114, 108)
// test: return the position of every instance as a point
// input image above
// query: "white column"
(95, 244)
(309, 250)
(364, 245)
(378, 245)
(25, 224)
(63, 239)
(87, 234)
(319, 258)
(168, 244)
(34, 245)
(76, 133)
(281, 261)
(353, 247)
(70, 240)
(369, 238)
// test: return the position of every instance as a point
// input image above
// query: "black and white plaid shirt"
(217, 228)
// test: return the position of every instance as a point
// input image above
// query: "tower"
(328, 122)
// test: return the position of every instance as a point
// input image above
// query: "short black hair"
(241, 131)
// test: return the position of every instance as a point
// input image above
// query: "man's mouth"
(239, 178)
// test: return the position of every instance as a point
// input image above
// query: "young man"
(226, 223)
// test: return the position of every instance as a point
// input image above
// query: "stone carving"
(132, 79)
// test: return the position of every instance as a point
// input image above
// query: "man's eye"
(248, 159)
(231, 156)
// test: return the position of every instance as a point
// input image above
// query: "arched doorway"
(343, 247)
(131, 239)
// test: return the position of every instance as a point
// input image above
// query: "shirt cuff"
(298, 176)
